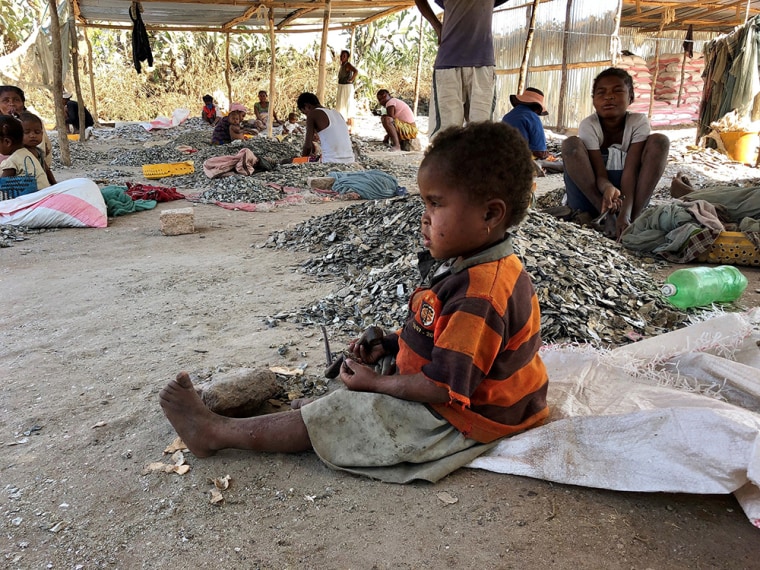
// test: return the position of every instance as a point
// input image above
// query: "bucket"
(741, 146)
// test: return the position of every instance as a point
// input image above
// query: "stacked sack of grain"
(642, 78)
(669, 78)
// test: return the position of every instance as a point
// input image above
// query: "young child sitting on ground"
(614, 164)
(20, 161)
(208, 113)
(292, 126)
(33, 134)
(468, 368)
(228, 129)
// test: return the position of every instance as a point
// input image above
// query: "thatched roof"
(294, 16)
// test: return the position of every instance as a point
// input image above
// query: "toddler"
(33, 136)
(468, 369)
(19, 161)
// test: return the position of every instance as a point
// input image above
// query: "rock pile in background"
(590, 289)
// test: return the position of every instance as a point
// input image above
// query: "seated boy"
(468, 369)
(525, 118)
(229, 128)
(208, 113)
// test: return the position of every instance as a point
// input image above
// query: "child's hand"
(368, 348)
(357, 376)
(610, 199)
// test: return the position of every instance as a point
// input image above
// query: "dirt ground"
(94, 323)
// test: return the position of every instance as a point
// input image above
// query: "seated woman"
(261, 110)
(614, 164)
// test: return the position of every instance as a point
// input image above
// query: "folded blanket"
(118, 202)
(243, 162)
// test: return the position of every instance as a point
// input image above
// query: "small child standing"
(33, 136)
(229, 128)
(20, 161)
(468, 368)
(208, 113)
(614, 164)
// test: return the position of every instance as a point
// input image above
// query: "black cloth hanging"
(688, 43)
(140, 43)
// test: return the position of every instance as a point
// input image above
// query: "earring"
(488, 230)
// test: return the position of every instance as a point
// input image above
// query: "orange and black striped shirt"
(476, 331)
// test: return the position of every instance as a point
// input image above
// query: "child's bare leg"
(579, 169)
(390, 128)
(654, 158)
(205, 432)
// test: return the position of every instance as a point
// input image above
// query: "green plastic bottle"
(701, 286)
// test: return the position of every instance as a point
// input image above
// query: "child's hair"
(27, 117)
(383, 92)
(465, 158)
(620, 74)
(307, 99)
(208, 99)
(345, 51)
(17, 90)
(292, 116)
(262, 92)
(10, 127)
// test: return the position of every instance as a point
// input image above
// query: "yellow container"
(732, 248)
(72, 137)
(741, 146)
(155, 171)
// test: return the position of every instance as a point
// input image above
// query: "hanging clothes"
(140, 42)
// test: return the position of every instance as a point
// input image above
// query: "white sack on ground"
(75, 203)
(615, 426)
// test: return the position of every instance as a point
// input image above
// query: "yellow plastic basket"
(155, 171)
(72, 137)
(732, 248)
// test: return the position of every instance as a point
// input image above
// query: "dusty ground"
(96, 321)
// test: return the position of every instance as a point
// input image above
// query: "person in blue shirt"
(525, 118)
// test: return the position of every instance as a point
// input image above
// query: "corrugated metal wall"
(592, 24)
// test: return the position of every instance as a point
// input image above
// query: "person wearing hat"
(229, 128)
(71, 109)
(528, 107)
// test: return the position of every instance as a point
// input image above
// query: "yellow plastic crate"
(72, 137)
(732, 248)
(154, 171)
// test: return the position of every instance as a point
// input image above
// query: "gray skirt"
(386, 438)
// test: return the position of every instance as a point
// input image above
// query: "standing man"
(331, 128)
(398, 121)
(463, 74)
(345, 100)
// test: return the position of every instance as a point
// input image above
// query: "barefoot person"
(614, 164)
(468, 372)
(330, 127)
(398, 121)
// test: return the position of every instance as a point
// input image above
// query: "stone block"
(177, 222)
(238, 393)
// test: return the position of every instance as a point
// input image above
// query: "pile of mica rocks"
(589, 289)
(132, 146)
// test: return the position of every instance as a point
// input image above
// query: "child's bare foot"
(680, 186)
(189, 416)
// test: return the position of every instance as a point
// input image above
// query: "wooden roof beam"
(293, 16)
(244, 17)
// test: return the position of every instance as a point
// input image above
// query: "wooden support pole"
(683, 73)
(323, 52)
(90, 64)
(528, 46)
(563, 81)
(418, 75)
(352, 41)
(74, 50)
(272, 67)
(656, 67)
(60, 116)
(615, 37)
(227, 67)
